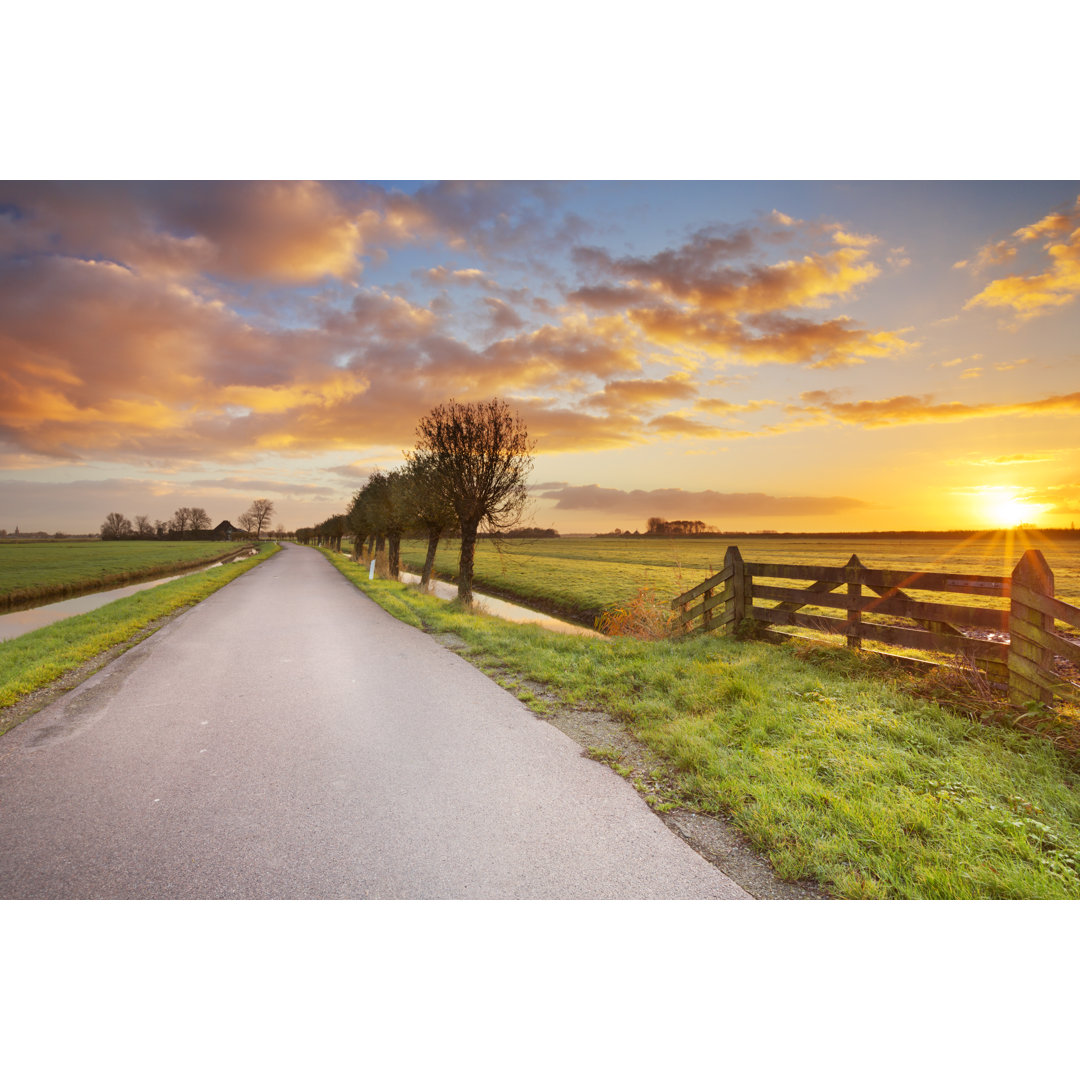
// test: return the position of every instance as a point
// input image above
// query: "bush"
(643, 617)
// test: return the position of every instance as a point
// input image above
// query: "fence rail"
(1024, 662)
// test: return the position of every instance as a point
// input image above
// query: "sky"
(812, 356)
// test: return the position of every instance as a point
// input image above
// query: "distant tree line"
(189, 523)
(657, 526)
(466, 472)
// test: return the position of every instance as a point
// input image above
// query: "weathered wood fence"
(1021, 657)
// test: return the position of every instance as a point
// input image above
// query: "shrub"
(643, 616)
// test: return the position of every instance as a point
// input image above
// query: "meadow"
(833, 763)
(582, 577)
(35, 573)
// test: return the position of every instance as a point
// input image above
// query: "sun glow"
(1007, 511)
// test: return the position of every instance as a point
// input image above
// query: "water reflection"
(22, 622)
(492, 605)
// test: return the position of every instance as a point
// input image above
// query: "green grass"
(38, 658)
(585, 576)
(817, 754)
(36, 572)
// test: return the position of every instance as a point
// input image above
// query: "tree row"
(466, 472)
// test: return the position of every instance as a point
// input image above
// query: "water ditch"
(16, 623)
(492, 605)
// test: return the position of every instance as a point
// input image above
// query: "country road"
(287, 739)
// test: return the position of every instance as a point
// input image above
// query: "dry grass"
(643, 616)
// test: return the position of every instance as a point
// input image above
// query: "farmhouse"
(226, 530)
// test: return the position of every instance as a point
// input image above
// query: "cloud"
(898, 259)
(921, 409)
(277, 232)
(681, 424)
(1032, 295)
(699, 275)
(503, 316)
(622, 395)
(993, 255)
(718, 293)
(1011, 459)
(681, 504)
(769, 338)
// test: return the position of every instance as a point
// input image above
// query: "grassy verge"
(817, 754)
(35, 573)
(32, 661)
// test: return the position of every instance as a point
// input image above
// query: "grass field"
(582, 577)
(34, 660)
(35, 573)
(824, 758)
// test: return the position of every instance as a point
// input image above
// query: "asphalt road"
(287, 739)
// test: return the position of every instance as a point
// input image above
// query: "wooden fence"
(1020, 654)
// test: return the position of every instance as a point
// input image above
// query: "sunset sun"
(1009, 511)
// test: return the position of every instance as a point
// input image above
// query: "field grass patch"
(32, 573)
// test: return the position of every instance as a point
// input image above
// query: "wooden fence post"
(735, 608)
(1032, 572)
(854, 592)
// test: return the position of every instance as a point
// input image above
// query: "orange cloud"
(1030, 296)
(678, 503)
(911, 409)
(280, 232)
(773, 338)
(716, 293)
(1012, 459)
(625, 394)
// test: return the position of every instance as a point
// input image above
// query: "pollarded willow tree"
(482, 454)
(383, 503)
(428, 504)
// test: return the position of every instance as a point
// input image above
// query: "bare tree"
(199, 519)
(257, 516)
(143, 527)
(181, 519)
(116, 527)
(482, 452)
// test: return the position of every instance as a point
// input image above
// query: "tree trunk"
(465, 565)
(394, 555)
(429, 559)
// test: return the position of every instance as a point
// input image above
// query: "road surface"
(287, 739)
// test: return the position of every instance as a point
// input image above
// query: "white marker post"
(371, 570)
